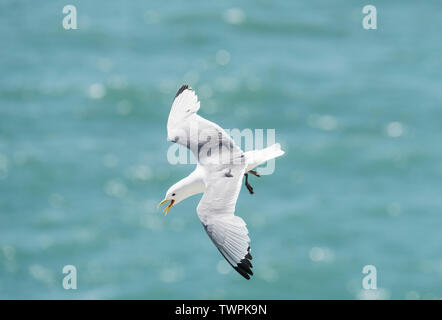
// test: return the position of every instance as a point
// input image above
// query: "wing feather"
(216, 212)
(203, 137)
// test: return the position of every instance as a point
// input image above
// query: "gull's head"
(173, 197)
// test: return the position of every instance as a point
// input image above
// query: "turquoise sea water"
(83, 147)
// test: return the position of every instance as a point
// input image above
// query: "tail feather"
(257, 157)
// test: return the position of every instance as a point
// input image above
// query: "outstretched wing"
(216, 212)
(185, 104)
(203, 137)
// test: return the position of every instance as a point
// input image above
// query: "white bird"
(220, 168)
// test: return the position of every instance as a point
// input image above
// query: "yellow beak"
(166, 209)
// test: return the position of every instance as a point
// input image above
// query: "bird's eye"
(173, 194)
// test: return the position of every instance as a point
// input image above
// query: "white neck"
(189, 186)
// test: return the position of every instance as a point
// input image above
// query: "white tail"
(256, 157)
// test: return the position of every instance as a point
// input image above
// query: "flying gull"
(221, 166)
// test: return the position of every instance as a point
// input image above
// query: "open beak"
(166, 209)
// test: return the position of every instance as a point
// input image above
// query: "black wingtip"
(242, 272)
(244, 268)
(248, 255)
(180, 90)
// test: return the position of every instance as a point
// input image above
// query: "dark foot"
(254, 173)
(249, 187)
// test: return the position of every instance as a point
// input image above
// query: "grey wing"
(216, 212)
(231, 238)
(208, 141)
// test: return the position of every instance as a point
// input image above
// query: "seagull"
(221, 166)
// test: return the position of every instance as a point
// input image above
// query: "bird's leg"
(249, 187)
(254, 173)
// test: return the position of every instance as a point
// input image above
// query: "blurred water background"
(83, 147)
